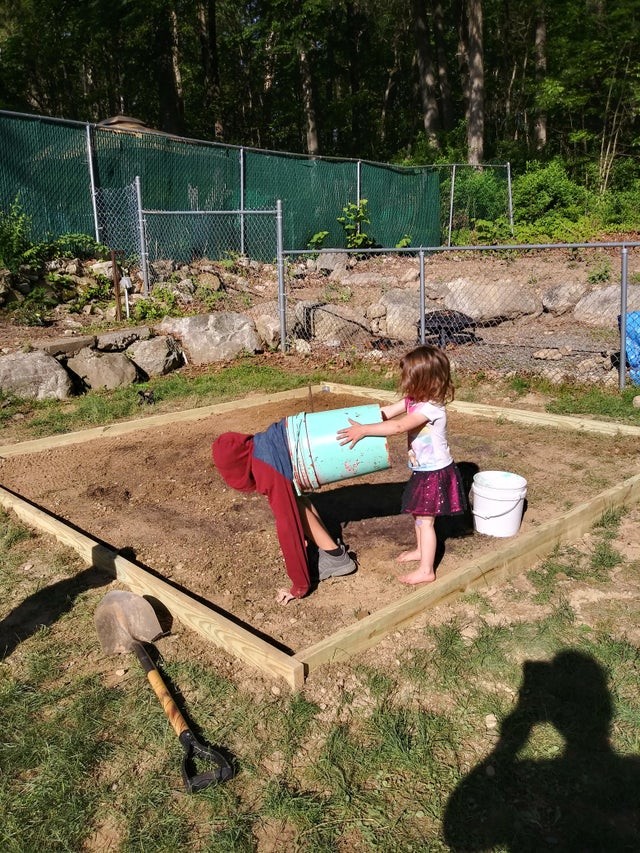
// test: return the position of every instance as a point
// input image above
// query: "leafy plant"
(317, 241)
(404, 242)
(600, 272)
(354, 217)
(15, 229)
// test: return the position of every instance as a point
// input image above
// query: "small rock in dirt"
(491, 721)
(27, 567)
(636, 402)
(276, 690)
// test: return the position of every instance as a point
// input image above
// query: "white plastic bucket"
(497, 499)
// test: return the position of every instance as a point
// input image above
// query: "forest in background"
(551, 87)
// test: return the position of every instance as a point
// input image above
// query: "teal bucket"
(318, 458)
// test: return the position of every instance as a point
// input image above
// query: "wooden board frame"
(250, 645)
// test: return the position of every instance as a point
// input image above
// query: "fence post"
(282, 303)
(423, 331)
(92, 179)
(510, 199)
(623, 316)
(453, 184)
(142, 239)
(242, 202)
(358, 181)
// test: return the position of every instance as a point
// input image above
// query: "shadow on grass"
(46, 606)
(586, 799)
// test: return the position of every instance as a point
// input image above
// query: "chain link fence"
(550, 311)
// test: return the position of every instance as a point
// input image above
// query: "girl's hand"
(284, 596)
(351, 435)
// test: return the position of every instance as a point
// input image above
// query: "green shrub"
(15, 230)
(545, 190)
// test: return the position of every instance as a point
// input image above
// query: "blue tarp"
(632, 346)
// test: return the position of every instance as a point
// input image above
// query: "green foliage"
(317, 241)
(156, 306)
(600, 272)
(353, 218)
(404, 242)
(15, 230)
(548, 191)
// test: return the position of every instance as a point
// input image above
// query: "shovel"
(124, 621)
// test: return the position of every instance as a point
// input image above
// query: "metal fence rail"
(557, 311)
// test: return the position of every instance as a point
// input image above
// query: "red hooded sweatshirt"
(234, 457)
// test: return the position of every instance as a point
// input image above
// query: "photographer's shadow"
(585, 800)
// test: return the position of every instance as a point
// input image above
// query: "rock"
(601, 307)
(498, 300)
(156, 356)
(35, 375)
(119, 340)
(563, 297)
(107, 370)
(213, 337)
(67, 346)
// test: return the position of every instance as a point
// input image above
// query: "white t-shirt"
(428, 447)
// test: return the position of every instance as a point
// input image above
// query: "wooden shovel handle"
(178, 722)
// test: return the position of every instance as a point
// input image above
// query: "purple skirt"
(435, 492)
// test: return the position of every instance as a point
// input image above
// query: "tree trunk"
(207, 31)
(540, 125)
(170, 104)
(426, 73)
(446, 103)
(475, 122)
(313, 146)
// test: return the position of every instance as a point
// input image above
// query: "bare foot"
(284, 596)
(419, 576)
(408, 557)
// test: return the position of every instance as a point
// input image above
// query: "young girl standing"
(435, 486)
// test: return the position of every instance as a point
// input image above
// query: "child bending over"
(262, 463)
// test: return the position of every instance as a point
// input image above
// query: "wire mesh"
(551, 312)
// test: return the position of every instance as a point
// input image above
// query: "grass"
(365, 758)
(23, 419)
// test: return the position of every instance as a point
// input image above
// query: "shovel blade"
(123, 618)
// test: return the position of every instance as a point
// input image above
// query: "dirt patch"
(156, 495)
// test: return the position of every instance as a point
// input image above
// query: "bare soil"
(156, 495)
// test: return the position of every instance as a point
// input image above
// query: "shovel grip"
(178, 722)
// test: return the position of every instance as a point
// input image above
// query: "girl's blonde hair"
(426, 375)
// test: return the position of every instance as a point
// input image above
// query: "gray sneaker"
(333, 567)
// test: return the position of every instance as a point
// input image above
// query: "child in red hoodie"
(262, 463)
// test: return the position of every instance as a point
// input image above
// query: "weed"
(600, 272)
(353, 218)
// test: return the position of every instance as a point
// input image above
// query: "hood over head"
(232, 456)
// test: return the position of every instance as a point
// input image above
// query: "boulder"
(563, 297)
(601, 307)
(213, 337)
(119, 340)
(493, 301)
(106, 370)
(35, 375)
(156, 356)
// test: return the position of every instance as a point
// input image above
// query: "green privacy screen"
(44, 166)
(59, 170)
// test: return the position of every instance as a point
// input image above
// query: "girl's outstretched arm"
(351, 435)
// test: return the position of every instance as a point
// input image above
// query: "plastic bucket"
(318, 458)
(497, 499)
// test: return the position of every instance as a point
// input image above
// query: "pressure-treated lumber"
(504, 413)
(209, 623)
(124, 427)
(507, 562)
